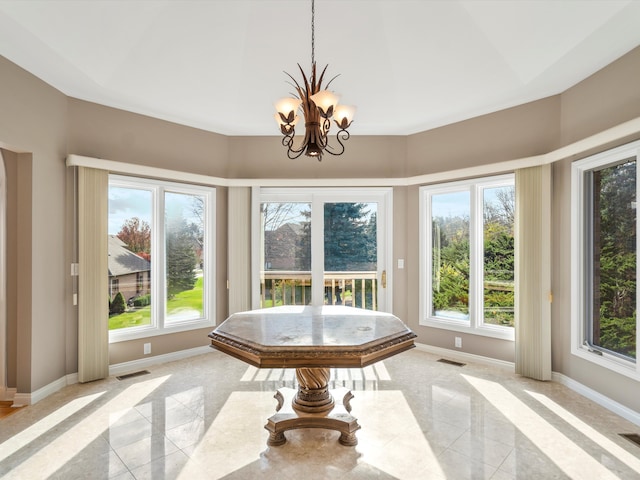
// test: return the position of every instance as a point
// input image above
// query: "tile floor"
(203, 418)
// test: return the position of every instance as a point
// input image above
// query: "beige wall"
(518, 132)
(18, 168)
(364, 157)
(103, 132)
(609, 97)
(47, 126)
(33, 122)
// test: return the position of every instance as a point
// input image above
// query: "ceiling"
(408, 66)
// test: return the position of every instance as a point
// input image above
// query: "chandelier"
(318, 106)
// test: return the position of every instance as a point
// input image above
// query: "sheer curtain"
(93, 306)
(533, 272)
(239, 238)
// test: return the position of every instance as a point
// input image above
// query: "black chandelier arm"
(293, 154)
(340, 136)
(287, 141)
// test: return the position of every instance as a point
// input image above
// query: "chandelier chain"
(313, 33)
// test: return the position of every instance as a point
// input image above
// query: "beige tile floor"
(203, 418)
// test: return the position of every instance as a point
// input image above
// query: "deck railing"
(356, 289)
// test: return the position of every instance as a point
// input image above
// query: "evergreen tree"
(348, 241)
(181, 257)
(614, 320)
(303, 246)
(118, 304)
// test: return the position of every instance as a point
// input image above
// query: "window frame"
(475, 325)
(159, 324)
(580, 272)
(317, 196)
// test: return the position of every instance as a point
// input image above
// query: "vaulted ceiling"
(408, 66)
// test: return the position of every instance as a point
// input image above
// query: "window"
(323, 247)
(160, 257)
(114, 288)
(604, 263)
(467, 256)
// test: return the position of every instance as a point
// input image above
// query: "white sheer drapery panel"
(239, 238)
(3, 280)
(93, 282)
(533, 272)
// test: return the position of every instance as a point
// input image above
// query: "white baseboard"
(48, 390)
(142, 363)
(465, 357)
(597, 397)
(20, 399)
(72, 378)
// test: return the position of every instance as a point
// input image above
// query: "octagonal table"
(312, 340)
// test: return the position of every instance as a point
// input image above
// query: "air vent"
(451, 362)
(134, 374)
(632, 437)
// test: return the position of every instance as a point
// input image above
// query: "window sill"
(146, 332)
(502, 333)
(615, 364)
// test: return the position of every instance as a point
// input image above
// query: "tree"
(275, 214)
(349, 240)
(197, 228)
(181, 257)
(118, 305)
(136, 234)
(614, 258)
(303, 246)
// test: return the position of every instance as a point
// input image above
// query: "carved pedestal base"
(313, 406)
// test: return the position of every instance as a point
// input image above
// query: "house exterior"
(280, 247)
(129, 273)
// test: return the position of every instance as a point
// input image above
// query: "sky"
(127, 202)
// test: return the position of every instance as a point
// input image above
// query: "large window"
(160, 257)
(323, 247)
(605, 263)
(467, 256)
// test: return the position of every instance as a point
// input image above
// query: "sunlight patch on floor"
(20, 440)
(57, 453)
(615, 450)
(236, 439)
(568, 456)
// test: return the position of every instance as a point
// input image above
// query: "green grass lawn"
(182, 302)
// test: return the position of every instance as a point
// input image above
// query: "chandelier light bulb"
(343, 115)
(326, 101)
(285, 106)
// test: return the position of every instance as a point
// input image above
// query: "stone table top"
(305, 336)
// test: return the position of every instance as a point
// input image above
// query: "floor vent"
(451, 362)
(632, 437)
(134, 374)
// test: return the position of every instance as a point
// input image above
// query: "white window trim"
(578, 280)
(474, 325)
(158, 325)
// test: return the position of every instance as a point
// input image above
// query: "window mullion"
(475, 256)
(317, 251)
(159, 275)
